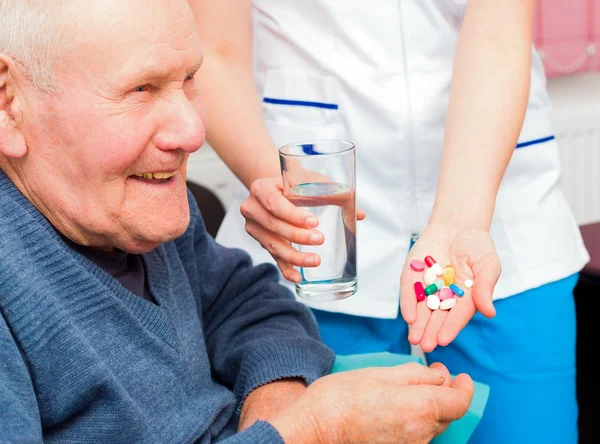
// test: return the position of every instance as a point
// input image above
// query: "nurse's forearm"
(490, 88)
(236, 128)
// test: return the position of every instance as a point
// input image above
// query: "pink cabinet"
(567, 35)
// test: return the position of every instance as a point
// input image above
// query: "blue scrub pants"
(526, 354)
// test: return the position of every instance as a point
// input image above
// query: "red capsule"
(429, 261)
(419, 291)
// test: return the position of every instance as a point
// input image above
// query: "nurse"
(446, 103)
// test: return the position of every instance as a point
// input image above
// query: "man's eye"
(189, 77)
(142, 88)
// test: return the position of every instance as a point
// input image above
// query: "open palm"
(470, 250)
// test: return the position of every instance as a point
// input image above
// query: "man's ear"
(12, 141)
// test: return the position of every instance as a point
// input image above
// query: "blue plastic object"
(459, 431)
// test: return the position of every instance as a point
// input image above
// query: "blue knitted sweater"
(83, 360)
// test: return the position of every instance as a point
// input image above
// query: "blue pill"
(456, 290)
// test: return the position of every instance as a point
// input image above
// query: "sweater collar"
(35, 254)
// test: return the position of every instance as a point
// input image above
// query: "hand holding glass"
(320, 176)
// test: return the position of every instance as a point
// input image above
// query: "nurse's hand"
(274, 222)
(470, 250)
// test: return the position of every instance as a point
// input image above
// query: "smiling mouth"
(155, 178)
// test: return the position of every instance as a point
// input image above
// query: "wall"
(576, 115)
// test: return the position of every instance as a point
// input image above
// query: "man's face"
(105, 155)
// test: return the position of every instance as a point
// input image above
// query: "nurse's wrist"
(264, 169)
(460, 219)
(468, 211)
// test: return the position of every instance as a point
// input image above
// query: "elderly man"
(121, 319)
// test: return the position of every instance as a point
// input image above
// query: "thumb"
(454, 401)
(485, 278)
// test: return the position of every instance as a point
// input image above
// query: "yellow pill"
(449, 275)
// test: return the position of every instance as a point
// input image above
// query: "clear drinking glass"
(320, 176)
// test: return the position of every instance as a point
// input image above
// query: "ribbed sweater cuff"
(260, 432)
(307, 359)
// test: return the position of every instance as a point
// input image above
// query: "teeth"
(161, 175)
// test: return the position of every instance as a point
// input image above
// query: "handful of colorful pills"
(439, 284)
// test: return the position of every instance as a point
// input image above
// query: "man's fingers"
(454, 401)
(269, 195)
(417, 374)
(442, 426)
(442, 369)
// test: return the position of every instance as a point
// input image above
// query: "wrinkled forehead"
(126, 36)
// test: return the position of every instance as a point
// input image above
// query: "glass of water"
(320, 176)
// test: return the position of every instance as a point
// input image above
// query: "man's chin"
(148, 241)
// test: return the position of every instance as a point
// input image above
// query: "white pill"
(439, 271)
(433, 302)
(430, 277)
(468, 283)
(447, 304)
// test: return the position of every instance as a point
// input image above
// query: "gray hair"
(31, 32)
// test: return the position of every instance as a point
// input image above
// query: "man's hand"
(408, 403)
(268, 399)
(470, 250)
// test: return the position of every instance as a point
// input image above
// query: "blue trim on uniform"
(535, 142)
(300, 103)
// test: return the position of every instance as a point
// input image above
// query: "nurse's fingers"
(281, 249)
(408, 307)
(458, 317)
(408, 300)
(486, 277)
(256, 213)
(360, 214)
(268, 193)
(418, 327)
(289, 272)
(429, 341)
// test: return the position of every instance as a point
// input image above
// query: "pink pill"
(419, 291)
(445, 293)
(417, 265)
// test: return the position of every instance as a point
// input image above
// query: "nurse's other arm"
(237, 129)
(488, 100)
(238, 133)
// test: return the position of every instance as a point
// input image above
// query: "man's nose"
(183, 127)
